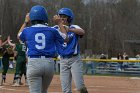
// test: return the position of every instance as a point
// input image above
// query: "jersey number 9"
(40, 39)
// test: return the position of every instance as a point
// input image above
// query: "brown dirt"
(94, 84)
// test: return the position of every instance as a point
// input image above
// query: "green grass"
(10, 71)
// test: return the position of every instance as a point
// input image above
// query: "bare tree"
(108, 23)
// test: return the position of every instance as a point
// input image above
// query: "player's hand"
(57, 19)
(66, 27)
(27, 18)
(8, 38)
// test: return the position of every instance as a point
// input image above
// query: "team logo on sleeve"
(71, 35)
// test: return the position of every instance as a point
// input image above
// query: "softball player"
(71, 64)
(41, 43)
(7, 53)
(20, 54)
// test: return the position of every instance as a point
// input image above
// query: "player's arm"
(78, 31)
(9, 42)
(58, 21)
(3, 43)
(62, 28)
(27, 19)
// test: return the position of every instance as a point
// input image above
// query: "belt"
(37, 56)
(69, 56)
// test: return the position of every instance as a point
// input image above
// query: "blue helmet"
(38, 13)
(68, 12)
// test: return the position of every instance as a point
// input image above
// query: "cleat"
(16, 85)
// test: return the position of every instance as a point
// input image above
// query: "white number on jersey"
(23, 48)
(40, 40)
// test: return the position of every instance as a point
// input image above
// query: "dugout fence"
(106, 66)
(114, 67)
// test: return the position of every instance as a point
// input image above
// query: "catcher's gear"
(38, 13)
(68, 12)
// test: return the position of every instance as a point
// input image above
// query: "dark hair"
(37, 22)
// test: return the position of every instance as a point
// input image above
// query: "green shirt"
(21, 49)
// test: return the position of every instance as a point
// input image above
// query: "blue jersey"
(71, 47)
(41, 40)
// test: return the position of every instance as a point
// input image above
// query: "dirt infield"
(95, 84)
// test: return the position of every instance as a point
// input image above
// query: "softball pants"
(40, 72)
(71, 68)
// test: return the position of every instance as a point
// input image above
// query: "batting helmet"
(68, 12)
(38, 13)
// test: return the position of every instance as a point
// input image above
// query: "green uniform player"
(20, 55)
(21, 61)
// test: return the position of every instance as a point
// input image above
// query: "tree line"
(112, 26)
